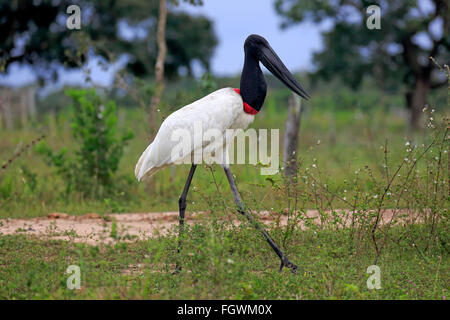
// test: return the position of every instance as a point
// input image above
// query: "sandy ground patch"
(93, 228)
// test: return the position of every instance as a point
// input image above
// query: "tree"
(162, 53)
(187, 38)
(393, 55)
(35, 33)
(160, 61)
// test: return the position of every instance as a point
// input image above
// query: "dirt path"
(94, 228)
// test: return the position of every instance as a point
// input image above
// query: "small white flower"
(318, 141)
(230, 261)
(407, 143)
(314, 165)
(375, 196)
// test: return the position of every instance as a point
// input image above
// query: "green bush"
(92, 168)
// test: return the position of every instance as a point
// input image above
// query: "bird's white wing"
(217, 111)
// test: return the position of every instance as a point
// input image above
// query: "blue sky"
(234, 20)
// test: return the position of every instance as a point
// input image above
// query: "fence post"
(292, 129)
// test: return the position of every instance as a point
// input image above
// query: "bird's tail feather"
(144, 164)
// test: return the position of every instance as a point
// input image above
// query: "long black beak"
(274, 64)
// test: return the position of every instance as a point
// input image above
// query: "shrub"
(94, 165)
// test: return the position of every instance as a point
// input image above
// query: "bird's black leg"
(182, 208)
(237, 199)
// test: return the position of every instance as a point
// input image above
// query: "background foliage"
(91, 171)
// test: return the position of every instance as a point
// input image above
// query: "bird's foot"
(177, 270)
(288, 264)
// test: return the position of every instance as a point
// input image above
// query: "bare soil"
(93, 228)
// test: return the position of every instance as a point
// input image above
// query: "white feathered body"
(220, 110)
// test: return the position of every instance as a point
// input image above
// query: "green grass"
(349, 140)
(220, 264)
(342, 164)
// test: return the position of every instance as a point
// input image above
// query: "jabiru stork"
(223, 109)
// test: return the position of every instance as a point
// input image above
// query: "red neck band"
(247, 108)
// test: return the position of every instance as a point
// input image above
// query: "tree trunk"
(23, 107)
(31, 102)
(159, 66)
(291, 136)
(6, 102)
(416, 101)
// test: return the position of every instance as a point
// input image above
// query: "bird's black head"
(253, 44)
(258, 48)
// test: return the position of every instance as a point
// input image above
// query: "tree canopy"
(35, 33)
(396, 55)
